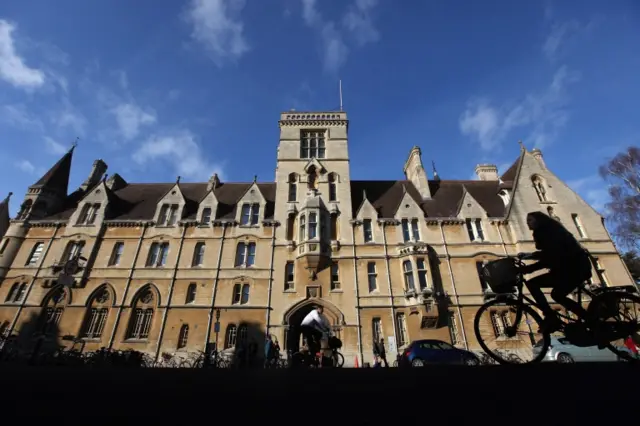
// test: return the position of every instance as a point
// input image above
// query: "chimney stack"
(213, 183)
(97, 171)
(487, 172)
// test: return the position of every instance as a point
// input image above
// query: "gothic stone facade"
(396, 259)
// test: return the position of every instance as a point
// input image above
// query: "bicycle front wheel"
(618, 313)
(338, 359)
(506, 342)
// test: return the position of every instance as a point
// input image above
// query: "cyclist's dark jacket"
(559, 251)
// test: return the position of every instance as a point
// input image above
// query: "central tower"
(313, 197)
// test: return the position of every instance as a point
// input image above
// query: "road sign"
(216, 327)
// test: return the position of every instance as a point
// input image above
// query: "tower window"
(312, 144)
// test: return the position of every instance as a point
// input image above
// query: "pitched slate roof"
(57, 177)
(446, 195)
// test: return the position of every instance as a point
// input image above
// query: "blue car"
(422, 352)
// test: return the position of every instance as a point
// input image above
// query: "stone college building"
(172, 267)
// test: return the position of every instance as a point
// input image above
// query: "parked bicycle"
(612, 317)
(304, 358)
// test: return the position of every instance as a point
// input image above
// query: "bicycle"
(511, 306)
(304, 358)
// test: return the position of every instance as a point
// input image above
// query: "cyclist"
(313, 327)
(568, 263)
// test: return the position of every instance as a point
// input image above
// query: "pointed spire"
(57, 177)
(435, 172)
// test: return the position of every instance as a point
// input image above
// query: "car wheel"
(417, 362)
(565, 359)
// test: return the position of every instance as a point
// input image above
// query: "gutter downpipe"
(171, 287)
(215, 287)
(145, 226)
(33, 280)
(355, 276)
(273, 252)
(453, 285)
(393, 305)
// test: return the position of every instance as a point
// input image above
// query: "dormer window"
(312, 144)
(168, 215)
(88, 214)
(205, 219)
(367, 231)
(474, 228)
(504, 195)
(333, 196)
(410, 233)
(250, 214)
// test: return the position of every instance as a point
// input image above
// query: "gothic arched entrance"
(294, 316)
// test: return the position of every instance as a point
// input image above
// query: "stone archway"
(296, 313)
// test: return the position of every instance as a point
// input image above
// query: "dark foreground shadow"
(540, 395)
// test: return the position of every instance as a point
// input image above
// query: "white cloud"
(131, 118)
(69, 117)
(13, 69)
(359, 22)
(54, 147)
(18, 116)
(544, 113)
(181, 151)
(26, 166)
(559, 34)
(216, 25)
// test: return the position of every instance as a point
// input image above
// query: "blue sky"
(165, 88)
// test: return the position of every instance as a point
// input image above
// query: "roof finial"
(521, 145)
(75, 142)
(255, 178)
(6, 200)
(177, 180)
(404, 189)
(104, 178)
(364, 194)
(435, 172)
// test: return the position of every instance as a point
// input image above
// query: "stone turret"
(414, 172)
(487, 171)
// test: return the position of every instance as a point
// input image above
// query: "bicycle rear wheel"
(338, 359)
(498, 336)
(619, 311)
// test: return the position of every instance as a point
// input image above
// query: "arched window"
(293, 187)
(408, 276)
(232, 334)
(198, 254)
(53, 310)
(97, 313)
(191, 293)
(540, 187)
(504, 195)
(240, 294)
(303, 229)
(183, 336)
(333, 195)
(142, 314)
(242, 334)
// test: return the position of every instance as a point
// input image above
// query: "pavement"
(544, 394)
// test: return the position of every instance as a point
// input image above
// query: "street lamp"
(216, 327)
